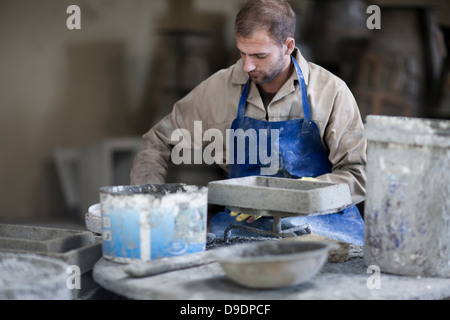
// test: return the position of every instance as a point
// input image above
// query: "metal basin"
(273, 264)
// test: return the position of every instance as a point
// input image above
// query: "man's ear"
(290, 45)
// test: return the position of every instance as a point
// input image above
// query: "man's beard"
(271, 74)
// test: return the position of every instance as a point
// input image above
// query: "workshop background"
(74, 103)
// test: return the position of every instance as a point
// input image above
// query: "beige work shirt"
(214, 102)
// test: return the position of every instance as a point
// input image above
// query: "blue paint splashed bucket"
(148, 222)
(407, 208)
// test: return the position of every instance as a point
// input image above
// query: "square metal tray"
(282, 197)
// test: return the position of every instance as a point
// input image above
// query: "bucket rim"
(408, 130)
(153, 189)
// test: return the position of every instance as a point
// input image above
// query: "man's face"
(263, 58)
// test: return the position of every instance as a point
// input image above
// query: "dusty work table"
(337, 280)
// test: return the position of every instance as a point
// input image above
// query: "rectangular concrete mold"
(407, 208)
(283, 197)
(75, 247)
(42, 239)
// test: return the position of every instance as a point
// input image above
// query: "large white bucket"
(407, 208)
(147, 222)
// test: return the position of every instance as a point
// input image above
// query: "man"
(311, 113)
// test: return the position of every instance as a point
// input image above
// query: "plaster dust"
(344, 252)
(164, 195)
(219, 242)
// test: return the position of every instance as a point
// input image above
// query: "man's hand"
(244, 216)
(308, 179)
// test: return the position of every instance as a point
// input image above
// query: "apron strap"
(243, 100)
(301, 80)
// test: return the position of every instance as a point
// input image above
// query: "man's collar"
(241, 77)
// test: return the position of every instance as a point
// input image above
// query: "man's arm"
(151, 163)
(347, 146)
(212, 103)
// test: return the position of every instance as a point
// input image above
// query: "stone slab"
(336, 281)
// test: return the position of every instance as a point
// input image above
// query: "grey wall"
(62, 88)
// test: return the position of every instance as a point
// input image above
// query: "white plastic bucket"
(147, 222)
(407, 208)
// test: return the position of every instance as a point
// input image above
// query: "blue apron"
(301, 154)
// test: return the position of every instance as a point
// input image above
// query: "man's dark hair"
(274, 16)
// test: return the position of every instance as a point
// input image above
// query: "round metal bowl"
(273, 264)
